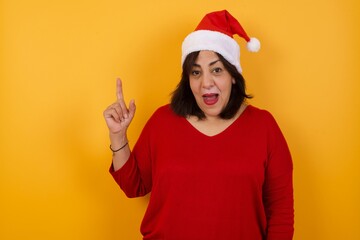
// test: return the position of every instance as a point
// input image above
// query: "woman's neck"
(213, 125)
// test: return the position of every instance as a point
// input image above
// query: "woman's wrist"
(118, 140)
(118, 149)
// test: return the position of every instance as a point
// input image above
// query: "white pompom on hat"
(215, 33)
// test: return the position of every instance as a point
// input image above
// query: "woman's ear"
(233, 80)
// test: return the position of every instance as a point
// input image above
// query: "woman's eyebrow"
(210, 64)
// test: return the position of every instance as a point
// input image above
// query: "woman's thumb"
(132, 107)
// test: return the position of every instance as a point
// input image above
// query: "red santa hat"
(215, 33)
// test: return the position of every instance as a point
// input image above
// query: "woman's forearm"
(121, 150)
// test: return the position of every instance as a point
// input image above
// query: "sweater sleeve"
(135, 177)
(278, 186)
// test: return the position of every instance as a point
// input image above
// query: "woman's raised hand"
(117, 116)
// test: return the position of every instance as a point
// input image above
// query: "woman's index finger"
(119, 93)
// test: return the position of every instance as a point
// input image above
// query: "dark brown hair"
(183, 102)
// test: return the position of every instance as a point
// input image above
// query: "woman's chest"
(237, 160)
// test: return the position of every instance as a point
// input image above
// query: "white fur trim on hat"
(213, 41)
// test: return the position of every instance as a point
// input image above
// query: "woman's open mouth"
(210, 98)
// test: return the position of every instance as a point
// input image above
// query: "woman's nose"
(207, 80)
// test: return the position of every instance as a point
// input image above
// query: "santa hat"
(215, 33)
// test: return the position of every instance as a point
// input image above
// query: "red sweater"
(234, 185)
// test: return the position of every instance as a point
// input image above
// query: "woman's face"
(210, 83)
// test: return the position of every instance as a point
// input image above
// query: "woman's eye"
(195, 72)
(217, 70)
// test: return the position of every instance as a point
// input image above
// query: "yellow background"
(59, 60)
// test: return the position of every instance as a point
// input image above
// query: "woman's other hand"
(118, 116)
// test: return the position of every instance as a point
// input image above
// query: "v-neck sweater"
(234, 185)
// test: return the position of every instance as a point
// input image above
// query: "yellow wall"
(59, 60)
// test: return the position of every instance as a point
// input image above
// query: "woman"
(216, 167)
